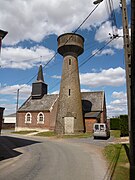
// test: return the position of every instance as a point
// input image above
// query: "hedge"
(114, 123)
(124, 125)
(120, 123)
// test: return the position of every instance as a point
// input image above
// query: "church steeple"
(39, 88)
(40, 76)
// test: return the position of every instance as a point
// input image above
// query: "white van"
(101, 130)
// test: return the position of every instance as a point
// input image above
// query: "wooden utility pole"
(132, 133)
(17, 105)
(130, 80)
(17, 101)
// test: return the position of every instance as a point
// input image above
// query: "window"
(40, 118)
(69, 61)
(28, 117)
(69, 92)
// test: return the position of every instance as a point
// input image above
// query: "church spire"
(40, 74)
(39, 88)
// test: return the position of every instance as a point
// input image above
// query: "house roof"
(93, 101)
(11, 115)
(43, 104)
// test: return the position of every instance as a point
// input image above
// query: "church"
(39, 111)
(70, 111)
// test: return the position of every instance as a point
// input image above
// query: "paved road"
(34, 158)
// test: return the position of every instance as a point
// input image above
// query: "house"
(9, 121)
(39, 111)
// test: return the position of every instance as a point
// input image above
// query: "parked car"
(101, 130)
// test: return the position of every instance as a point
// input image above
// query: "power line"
(65, 42)
(89, 58)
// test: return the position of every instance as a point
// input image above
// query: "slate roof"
(43, 104)
(92, 101)
(92, 114)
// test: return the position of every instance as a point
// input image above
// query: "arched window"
(28, 118)
(40, 118)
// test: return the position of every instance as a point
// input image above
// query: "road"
(36, 158)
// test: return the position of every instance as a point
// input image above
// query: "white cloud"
(104, 33)
(55, 92)
(56, 77)
(10, 96)
(104, 78)
(119, 95)
(23, 58)
(9, 108)
(118, 106)
(11, 90)
(85, 90)
(104, 52)
(36, 19)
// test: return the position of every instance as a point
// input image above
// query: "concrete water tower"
(69, 114)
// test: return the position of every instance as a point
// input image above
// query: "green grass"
(46, 134)
(24, 132)
(81, 135)
(115, 133)
(53, 134)
(118, 161)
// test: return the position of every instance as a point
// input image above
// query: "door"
(69, 125)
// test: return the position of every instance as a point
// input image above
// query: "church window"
(40, 118)
(28, 118)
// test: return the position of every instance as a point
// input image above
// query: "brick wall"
(53, 116)
(89, 124)
(33, 125)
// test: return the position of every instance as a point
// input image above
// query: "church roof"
(91, 101)
(92, 114)
(43, 104)
(94, 99)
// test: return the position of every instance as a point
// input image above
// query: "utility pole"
(132, 134)
(130, 80)
(17, 105)
(17, 101)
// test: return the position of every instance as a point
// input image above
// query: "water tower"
(69, 114)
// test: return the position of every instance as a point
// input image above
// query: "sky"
(33, 28)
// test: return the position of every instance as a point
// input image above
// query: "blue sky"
(33, 27)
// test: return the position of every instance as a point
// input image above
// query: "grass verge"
(81, 135)
(24, 132)
(118, 158)
(115, 133)
(46, 134)
(53, 134)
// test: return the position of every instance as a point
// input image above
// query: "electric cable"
(89, 58)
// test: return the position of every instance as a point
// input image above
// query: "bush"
(124, 125)
(114, 123)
